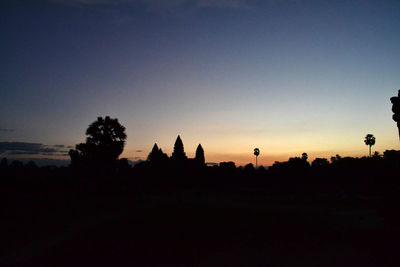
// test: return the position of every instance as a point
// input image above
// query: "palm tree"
(369, 141)
(256, 153)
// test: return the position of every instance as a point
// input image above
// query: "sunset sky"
(286, 76)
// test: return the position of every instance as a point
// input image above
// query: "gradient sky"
(285, 76)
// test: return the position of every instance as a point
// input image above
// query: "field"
(198, 228)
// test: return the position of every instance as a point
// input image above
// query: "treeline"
(366, 174)
(340, 180)
(97, 172)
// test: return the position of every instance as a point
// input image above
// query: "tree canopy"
(369, 141)
(105, 141)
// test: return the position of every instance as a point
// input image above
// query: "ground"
(207, 229)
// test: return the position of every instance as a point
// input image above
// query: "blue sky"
(285, 76)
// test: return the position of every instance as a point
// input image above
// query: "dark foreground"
(186, 228)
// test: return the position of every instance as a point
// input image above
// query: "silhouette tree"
(369, 141)
(179, 152)
(227, 165)
(200, 155)
(4, 163)
(256, 153)
(304, 156)
(320, 162)
(249, 167)
(16, 164)
(31, 165)
(336, 158)
(377, 154)
(396, 110)
(104, 143)
(295, 166)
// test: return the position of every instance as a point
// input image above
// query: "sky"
(285, 76)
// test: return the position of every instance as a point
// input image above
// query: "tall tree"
(369, 141)
(200, 155)
(105, 141)
(256, 153)
(396, 110)
(179, 152)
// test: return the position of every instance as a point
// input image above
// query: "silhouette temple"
(178, 158)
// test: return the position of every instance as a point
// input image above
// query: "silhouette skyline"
(178, 211)
(283, 76)
(199, 133)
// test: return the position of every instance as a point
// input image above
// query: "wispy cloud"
(120, 11)
(24, 148)
(223, 3)
(60, 146)
(83, 2)
(157, 5)
(197, 3)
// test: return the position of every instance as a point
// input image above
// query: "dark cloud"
(43, 161)
(24, 148)
(6, 130)
(19, 152)
(15, 146)
(48, 150)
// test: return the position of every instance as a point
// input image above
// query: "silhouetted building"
(179, 152)
(157, 158)
(200, 155)
(154, 155)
